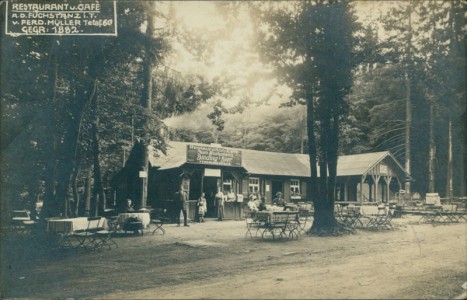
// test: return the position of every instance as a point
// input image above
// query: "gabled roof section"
(358, 164)
(275, 163)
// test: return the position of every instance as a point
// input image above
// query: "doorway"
(277, 186)
(210, 185)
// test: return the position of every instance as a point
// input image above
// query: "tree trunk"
(98, 187)
(147, 104)
(324, 220)
(50, 208)
(449, 186)
(313, 182)
(74, 186)
(70, 143)
(87, 193)
(431, 161)
(408, 107)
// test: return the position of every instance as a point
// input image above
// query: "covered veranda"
(369, 177)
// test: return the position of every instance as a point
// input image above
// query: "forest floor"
(214, 260)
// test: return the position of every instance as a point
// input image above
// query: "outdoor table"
(442, 214)
(20, 221)
(66, 228)
(144, 217)
(350, 216)
(378, 217)
(67, 225)
(284, 224)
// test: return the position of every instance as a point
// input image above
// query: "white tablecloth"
(144, 217)
(73, 224)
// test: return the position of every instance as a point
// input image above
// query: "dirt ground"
(214, 260)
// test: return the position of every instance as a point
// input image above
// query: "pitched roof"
(358, 164)
(273, 163)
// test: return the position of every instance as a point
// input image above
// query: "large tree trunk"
(313, 182)
(147, 104)
(324, 222)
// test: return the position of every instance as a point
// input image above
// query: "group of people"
(219, 201)
(181, 202)
(255, 203)
(258, 203)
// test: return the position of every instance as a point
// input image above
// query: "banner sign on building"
(59, 18)
(213, 156)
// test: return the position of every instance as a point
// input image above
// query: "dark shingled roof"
(273, 163)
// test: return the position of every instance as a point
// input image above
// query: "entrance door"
(210, 185)
(277, 186)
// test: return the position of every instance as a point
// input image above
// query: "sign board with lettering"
(213, 156)
(212, 172)
(59, 18)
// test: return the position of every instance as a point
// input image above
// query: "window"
(227, 185)
(254, 185)
(295, 187)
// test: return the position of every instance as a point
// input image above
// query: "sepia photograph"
(311, 149)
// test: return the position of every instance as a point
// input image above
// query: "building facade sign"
(213, 156)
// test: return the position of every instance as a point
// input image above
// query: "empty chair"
(159, 218)
(104, 237)
(87, 237)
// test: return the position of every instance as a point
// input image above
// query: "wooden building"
(202, 168)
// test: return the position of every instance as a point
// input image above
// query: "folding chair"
(104, 237)
(87, 237)
(303, 216)
(251, 222)
(159, 218)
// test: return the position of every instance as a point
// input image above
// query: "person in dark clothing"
(181, 202)
(262, 205)
(129, 206)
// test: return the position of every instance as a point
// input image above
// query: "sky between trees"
(236, 58)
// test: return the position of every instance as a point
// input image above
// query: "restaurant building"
(203, 168)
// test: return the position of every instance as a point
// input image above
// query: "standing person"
(181, 201)
(201, 207)
(219, 202)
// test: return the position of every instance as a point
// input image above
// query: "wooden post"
(362, 179)
(376, 182)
